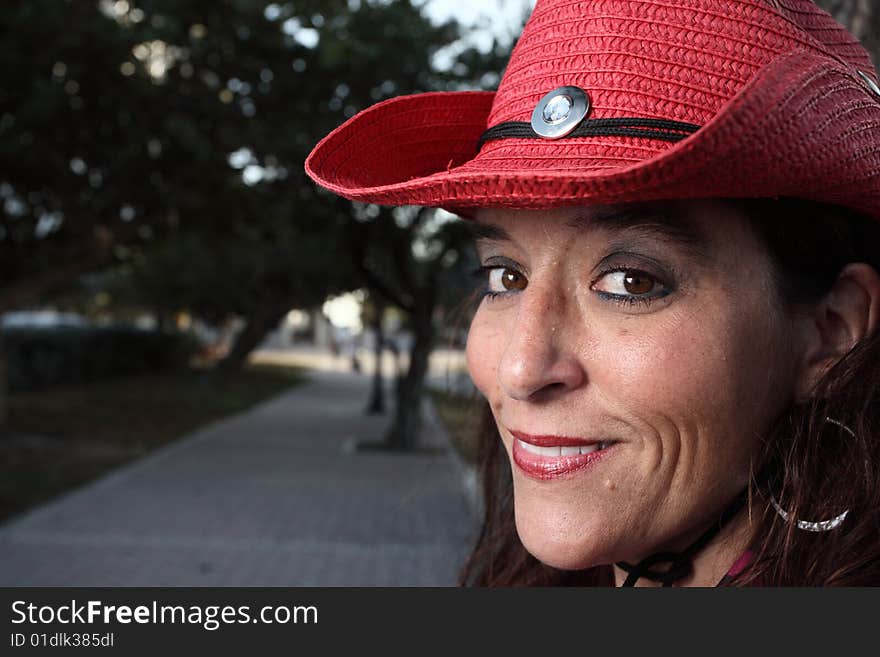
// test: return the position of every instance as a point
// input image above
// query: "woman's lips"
(548, 457)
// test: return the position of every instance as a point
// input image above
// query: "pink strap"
(741, 564)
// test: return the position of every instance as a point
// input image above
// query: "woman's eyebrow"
(481, 230)
(653, 222)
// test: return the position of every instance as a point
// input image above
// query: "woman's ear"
(849, 313)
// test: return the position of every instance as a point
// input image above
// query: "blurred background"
(212, 372)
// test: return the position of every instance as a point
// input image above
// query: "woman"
(675, 208)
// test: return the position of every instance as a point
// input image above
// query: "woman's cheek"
(643, 359)
(665, 368)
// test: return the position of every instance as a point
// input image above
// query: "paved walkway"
(273, 497)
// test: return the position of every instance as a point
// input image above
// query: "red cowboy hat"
(611, 101)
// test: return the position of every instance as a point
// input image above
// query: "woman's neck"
(711, 563)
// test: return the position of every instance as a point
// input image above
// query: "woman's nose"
(537, 360)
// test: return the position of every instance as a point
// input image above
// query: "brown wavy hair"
(814, 468)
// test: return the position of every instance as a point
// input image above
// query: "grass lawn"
(62, 437)
(461, 417)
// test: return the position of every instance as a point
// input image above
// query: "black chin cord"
(681, 562)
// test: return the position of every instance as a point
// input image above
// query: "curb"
(467, 472)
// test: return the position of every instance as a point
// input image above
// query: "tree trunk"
(4, 386)
(258, 325)
(376, 405)
(164, 321)
(404, 432)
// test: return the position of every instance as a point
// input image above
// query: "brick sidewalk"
(272, 497)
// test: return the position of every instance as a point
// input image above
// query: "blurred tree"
(4, 378)
(165, 138)
(100, 152)
(405, 256)
(860, 17)
(373, 317)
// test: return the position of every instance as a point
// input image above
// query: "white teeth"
(559, 451)
(541, 451)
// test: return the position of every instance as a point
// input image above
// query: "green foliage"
(165, 139)
(92, 158)
(461, 418)
(39, 358)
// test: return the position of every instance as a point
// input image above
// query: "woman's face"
(631, 356)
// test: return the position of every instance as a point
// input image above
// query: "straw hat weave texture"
(777, 89)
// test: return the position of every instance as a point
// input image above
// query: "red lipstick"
(549, 457)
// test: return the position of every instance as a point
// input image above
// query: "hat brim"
(805, 126)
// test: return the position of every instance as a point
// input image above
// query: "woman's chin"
(561, 556)
(561, 549)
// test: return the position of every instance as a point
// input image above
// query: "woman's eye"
(505, 279)
(629, 283)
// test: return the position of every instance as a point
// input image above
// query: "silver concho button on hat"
(869, 82)
(560, 112)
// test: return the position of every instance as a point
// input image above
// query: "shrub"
(37, 358)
